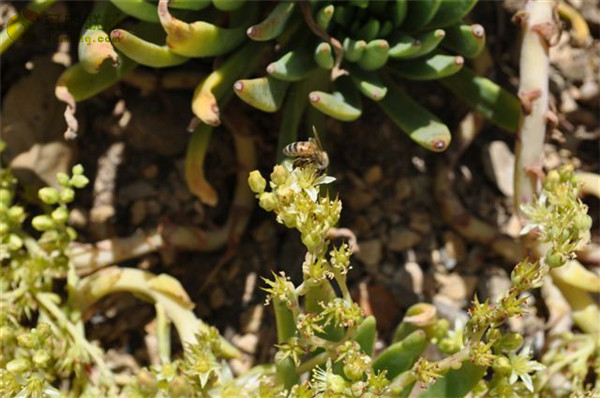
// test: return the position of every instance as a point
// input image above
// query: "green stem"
(44, 299)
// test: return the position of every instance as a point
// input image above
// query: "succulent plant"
(322, 53)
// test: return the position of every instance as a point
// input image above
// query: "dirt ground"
(385, 181)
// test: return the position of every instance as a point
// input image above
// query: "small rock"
(241, 365)
(137, 190)
(100, 214)
(452, 287)
(370, 252)
(359, 199)
(153, 207)
(402, 189)
(138, 212)
(498, 164)
(416, 274)
(374, 215)
(512, 227)
(403, 238)
(217, 298)
(251, 319)
(420, 222)
(246, 342)
(589, 91)
(183, 194)
(454, 248)
(150, 172)
(361, 226)
(551, 158)
(374, 175)
(78, 218)
(567, 103)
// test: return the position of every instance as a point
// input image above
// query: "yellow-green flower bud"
(18, 365)
(6, 334)
(41, 358)
(48, 195)
(336, 383)
(60, 215)
(552, 178)
(6, 196)
(256, 182)
(146, 379)
(42, 223)
(43, 330)
(16, 214)
(279, 174)
(72, 233)
(268, 201)
(77, 169)
(67, 195)
(79, 181)
(555, 259)
(311, 241)
(288, 219)
(353, 372)
(285, 194)
(358, 389)
(502, 365)
(26, 340)
(511, 341)
(582, 222)
(62, 179)
(4, 227)
(14, 242)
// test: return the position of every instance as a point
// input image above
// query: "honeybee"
(308, 153)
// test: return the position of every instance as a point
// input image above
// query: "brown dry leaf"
(33, 125)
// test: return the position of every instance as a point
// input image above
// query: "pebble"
(251, 319)
(361, 226)
(402, 189)
(454, 247)
(78, 218)
(150, 172)
(403, 238)
(217, 298)
(589, 91)
(567, 103)
(420, 222)
(246, 342)
(137, 190)
(183, 194)
(455, 287)
(153, 207)
(374, 175)
(374, 215)
(359, 200)
(370, 252)
(99, 214)
(138, 212)
(498, 161)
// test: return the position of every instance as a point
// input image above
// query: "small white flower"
(522, 365)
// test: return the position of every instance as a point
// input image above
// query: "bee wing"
(317, 139)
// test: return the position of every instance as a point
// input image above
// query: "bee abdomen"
(296, 148)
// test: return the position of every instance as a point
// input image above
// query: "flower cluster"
(560, 216)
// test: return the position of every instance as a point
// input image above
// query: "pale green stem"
(538, 26)
(163, 335)
(46, 302)
(317, 360)
(161, 289)
(20, 25)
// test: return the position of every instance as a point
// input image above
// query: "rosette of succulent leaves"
(304, 59)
